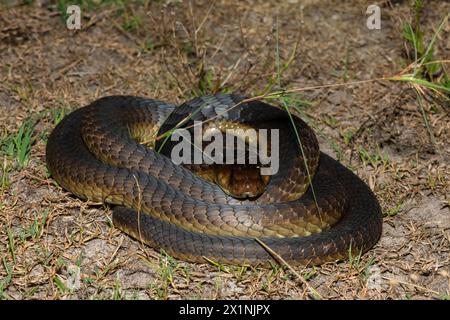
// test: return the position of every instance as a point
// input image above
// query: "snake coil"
(97, 152)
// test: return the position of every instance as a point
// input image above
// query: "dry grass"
(53, 245)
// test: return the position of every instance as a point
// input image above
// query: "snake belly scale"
(105, 152)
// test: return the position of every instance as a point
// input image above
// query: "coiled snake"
(105, 152)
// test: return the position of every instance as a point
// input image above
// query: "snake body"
(105, 152)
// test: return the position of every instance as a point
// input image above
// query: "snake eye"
(265, 179)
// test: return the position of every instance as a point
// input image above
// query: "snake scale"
(313, 210)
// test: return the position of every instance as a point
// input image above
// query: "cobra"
(313, 210)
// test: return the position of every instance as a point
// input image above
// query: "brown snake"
(95, 152)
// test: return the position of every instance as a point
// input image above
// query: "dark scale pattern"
(92, 153)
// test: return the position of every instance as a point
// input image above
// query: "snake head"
(241, 181)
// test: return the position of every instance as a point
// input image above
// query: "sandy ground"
(53, 245)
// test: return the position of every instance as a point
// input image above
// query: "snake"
(115, 150)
